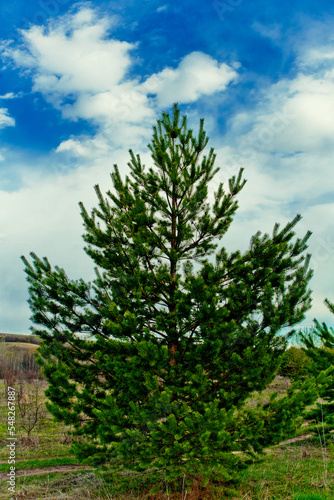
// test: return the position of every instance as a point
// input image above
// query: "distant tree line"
(17, 363)
(9, 337)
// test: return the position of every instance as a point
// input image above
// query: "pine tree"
(319, 347)
(183, 332)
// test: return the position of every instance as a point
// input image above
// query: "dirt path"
(47, 470)
(294, 440)
(29, 459)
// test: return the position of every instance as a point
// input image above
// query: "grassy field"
(45, 468)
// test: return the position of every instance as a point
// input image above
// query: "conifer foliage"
(319, 347)
(183, 331)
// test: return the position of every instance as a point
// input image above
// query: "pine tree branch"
(193, 330)
(154, 275)
(158, 332)
(76, 348)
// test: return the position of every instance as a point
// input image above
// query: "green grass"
(310, 497)
(40, 462)
(287, 472)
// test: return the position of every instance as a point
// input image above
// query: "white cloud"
(124, 103)
(5, 119)
(9, 95)
(73, 57)
(44, 217)
(286, 144)
(272, 31)
(294, 115)
(76, 65)
(197, 74)
(83, 148)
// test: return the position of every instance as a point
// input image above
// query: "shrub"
(319, 346)
(294, 363)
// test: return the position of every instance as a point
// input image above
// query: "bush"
(319, 346)
(294, 363)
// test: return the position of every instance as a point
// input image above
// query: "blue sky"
(81, 83)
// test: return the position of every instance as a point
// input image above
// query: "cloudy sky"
(81, 83)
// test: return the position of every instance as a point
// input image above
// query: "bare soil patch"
(44, 470)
